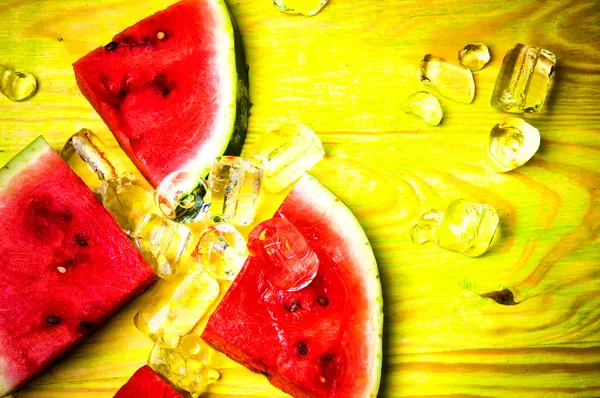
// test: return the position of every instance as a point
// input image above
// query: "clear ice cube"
(511, 144)
(452, 81)
(162, 243)
(286, 153)
(183, 196)
(127, 202)
(221, 250)
(288, 261)
(304, 7)
(426, 106)
(523, 81)
(464, 227)
(234, 184)
(16, 86)
(186, 366)
(474, 56)
(95, 153)
(168, 362)
(177, 306)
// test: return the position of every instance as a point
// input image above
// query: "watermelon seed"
(67, 263)
(111, 46)
(62, 270)
(165, 91)
(160, 35)
(326, 358)
(80, 240)
(52, 320)
(85, 326)
(293, 307)
(302, 349)
(323, 301)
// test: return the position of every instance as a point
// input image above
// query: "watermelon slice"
(66, 264)
(145, 383)
(173, 88)
(323, 340)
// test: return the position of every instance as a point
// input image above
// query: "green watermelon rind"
(22, 160)
(315, 191)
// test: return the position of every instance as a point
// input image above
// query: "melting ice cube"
(452, 81)
(286, 153)
(288, 261)
(234, 183)
(221, 250)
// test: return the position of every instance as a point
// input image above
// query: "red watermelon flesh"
(176, 102)
(145, 383)
(66, 264)
(323, 340)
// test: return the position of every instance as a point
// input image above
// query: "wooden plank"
(345, 73)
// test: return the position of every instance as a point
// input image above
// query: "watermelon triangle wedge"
(66, 264)
(173, 88)
(145, 383)
(324, 340)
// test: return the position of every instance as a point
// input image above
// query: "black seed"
(302, 349)
(60, 39)
(65, 215)
(67, 263)
(52, 320)
(85, 326)
(111, 46)
(502, 297)
(165, 91)
(293, 307)
(80, 240)
(323, 301)
(326, 358)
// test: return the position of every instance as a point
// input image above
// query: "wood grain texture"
(345, 73)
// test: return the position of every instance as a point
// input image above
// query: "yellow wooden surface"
(345, 73)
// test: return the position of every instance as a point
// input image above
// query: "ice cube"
(511, 144)
(176, 308)
(127, 202)
(523, 81)
(191, 346)
(98, 157)
(183, 196)
(162, 242)
(221, 250)
(452, 81)
(304, 7)
(474, 56)
(186, 366)
(16, 86)
(426, 106)
(288, 261)
(464, 227)
(234, 184)
(168, 362)
(286, 153)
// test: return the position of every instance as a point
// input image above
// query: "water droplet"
(474, 56)
(452, 81)
(17, 86)
(511, 144)
(426, 106)
(305, 7)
